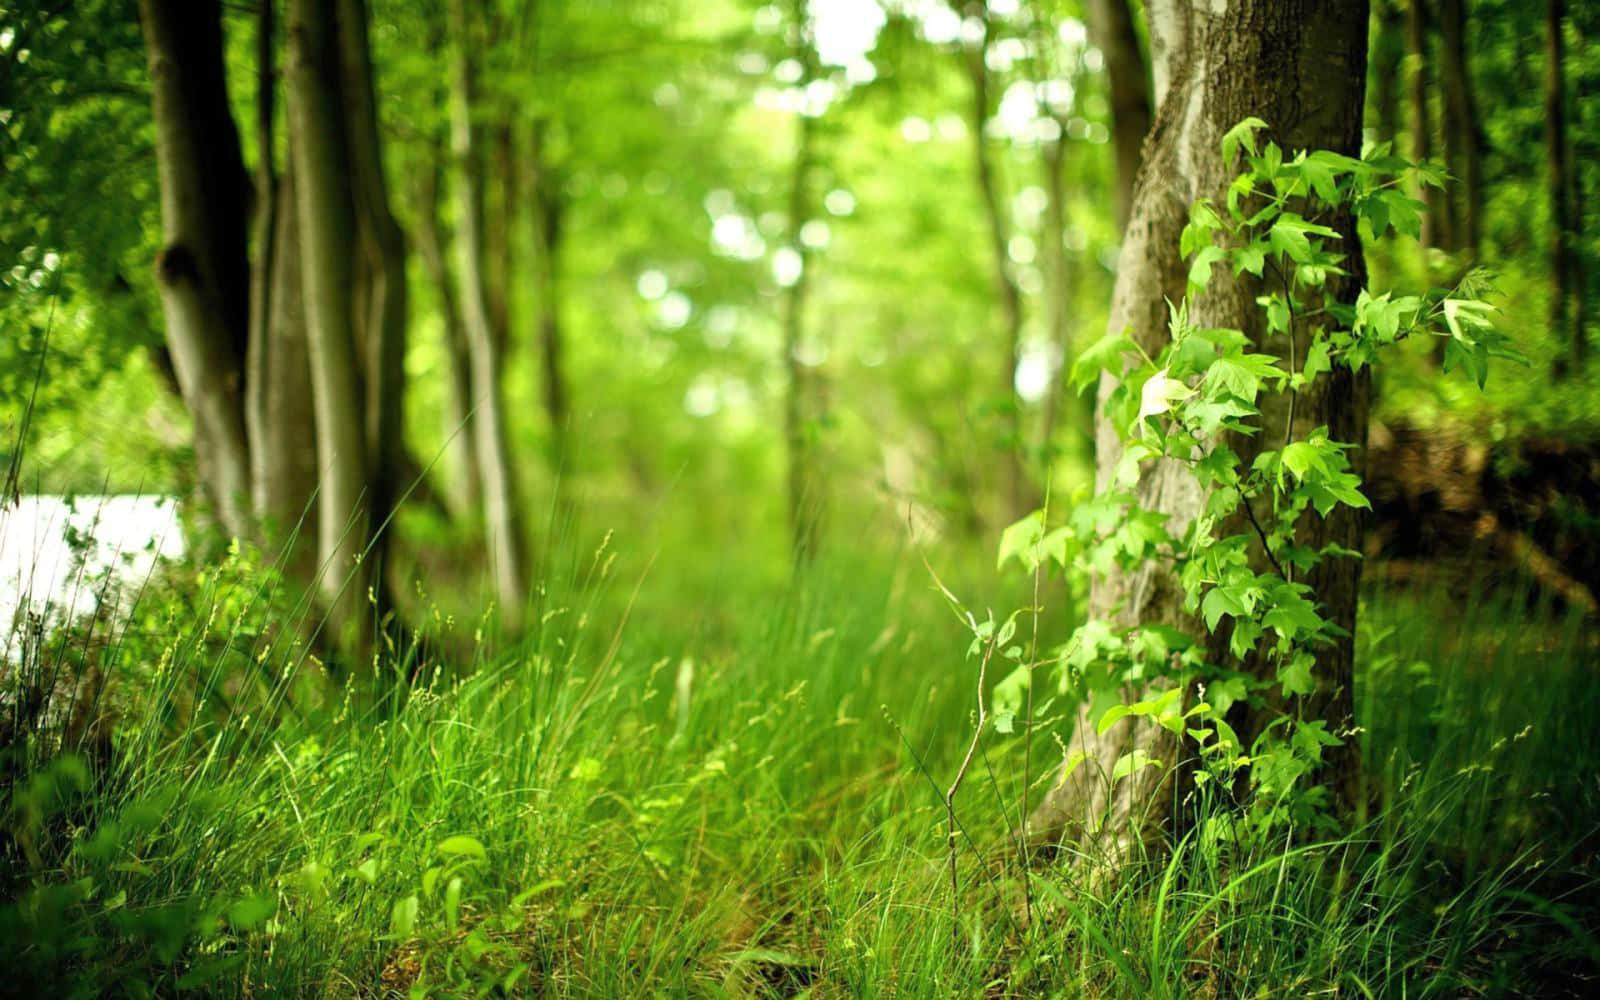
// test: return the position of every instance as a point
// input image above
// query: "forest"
(799, 498)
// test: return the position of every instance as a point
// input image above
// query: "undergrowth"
(640, 798)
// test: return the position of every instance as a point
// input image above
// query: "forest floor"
(706, 785)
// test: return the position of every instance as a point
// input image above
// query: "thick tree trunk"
(998, 227)
(502, 522)
(1563, 258)
(1300, 65)
(203, 269)
(1112, 29)
(1463, 135)
(327, 221)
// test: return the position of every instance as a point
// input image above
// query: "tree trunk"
(1434, 230)
(1300, 65)
(380, 288)
(1112, 29)
(502, 522)
(802, 485)
(283, 433)
(1388, 65)
(430, 245)
(327, 221)
(1563, 259)
(1463, 135)
(549, 225)
(1005, 283)
(1056, 275)
(203, 270)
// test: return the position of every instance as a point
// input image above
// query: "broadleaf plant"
(1181, 405)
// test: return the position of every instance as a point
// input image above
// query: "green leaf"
(1018, 541)
(1223, 600)
(403, 916)
(1106, 354)
(460, 845)
(1200, 270)
(1131, 762)
(1295, 676)
(1242, 134)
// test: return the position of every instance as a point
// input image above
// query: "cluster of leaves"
(1241, 560)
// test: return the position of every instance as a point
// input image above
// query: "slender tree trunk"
(1576, 153)
(1462, 134)
(1388, 59)
(282, 424)
(1558, 157)
(459, 417)
(327, 222)
(203, 271)
(1434, 230)
(999, 248)
(1057, 294)
(381, 289)
(1300, 65)
(802, 485)
(549, 225)
(1112, 29)
(499, 489)
(501, 188)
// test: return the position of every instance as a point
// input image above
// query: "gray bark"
(1300, 65)
(502, 522)
(327, 221)
(203, 271)
(380, 284)
(283, 433)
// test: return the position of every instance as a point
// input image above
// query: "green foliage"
(1241, 560)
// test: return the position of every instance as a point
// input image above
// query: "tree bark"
(1434, 228)
(1463, 134)
(1112, 28)
(1388, 65)
(802, 485)
(999, 247)
(549, 234)
(380, 287)
(282, 425)
(1563, 258)
(203, 271)
(1057, 274)
(430, 245)
(1300, 65)
(327, 222)
(499, 489)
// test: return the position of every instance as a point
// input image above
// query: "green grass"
(733, 793)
